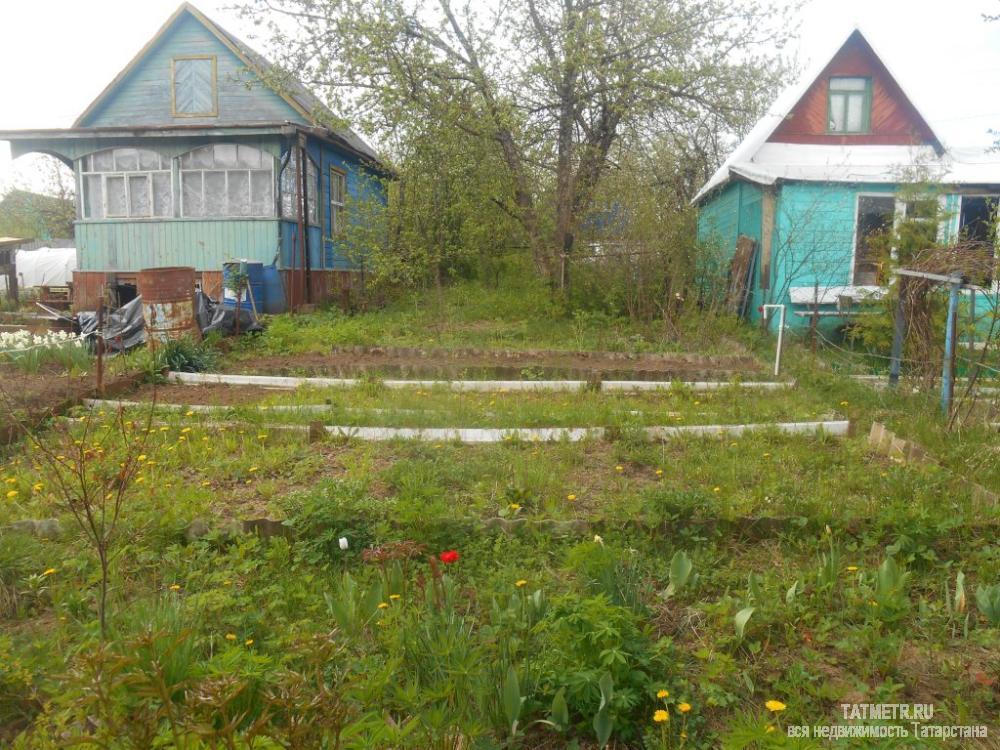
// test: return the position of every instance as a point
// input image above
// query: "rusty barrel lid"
(168, 284)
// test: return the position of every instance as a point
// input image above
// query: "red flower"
(448, 556)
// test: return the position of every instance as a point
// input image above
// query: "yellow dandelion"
(394, 597)
(716, 489)
(186, 430)
(140, 480)
(230, 636)
(660, 716)
(37, 487)
(248, 642)
(571, 497)
(775, 706)
(206, 483)
(619, 468)
(49, 571)
(12, 494)
(262, 436)
(189, 413)
(175, 587)
(852, 568)
(141, 457)
(11, 480)
(383, 605)
(514, 506)
(683, 707)
(770, 728)
(252, 469)
(521, 583)
(663, 694)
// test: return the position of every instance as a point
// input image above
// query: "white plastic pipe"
(781, 332)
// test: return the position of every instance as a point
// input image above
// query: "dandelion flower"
(775, 706)
(852, 568)
(141, 457)
(514, 506)
(683, 707)
(175, 587)
(37, 487)
(189, 413)
(394, 597)
(521, 583)
(843, 403)
(716, 489)
(659, 472)
(663, 694)
(619, 468)
(660, 716)
(186, 430)
(252, 468)
(12, 494)
(49, 571)
(248, 642)
(571, 497)
(230, 636)
(383, 605)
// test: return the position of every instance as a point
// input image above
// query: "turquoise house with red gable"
(200, 152)
(834, 162)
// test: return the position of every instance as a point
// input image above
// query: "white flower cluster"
(15, 341)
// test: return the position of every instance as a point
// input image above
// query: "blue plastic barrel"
(274, 291)
(255, 276)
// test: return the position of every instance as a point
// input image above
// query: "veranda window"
(227, 180)
(338, 202)
(126, 183)
(290, 188)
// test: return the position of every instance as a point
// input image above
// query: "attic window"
(195, 93)
(850, 105)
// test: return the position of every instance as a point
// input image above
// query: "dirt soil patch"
(502, 363)
(210, 394)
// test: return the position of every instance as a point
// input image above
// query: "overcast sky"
(57, 55)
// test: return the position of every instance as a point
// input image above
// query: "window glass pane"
(855, 113)
(337, 187)
(262, 189)
(115, 187)
(837, 106)
(148, 159)
(312, 186)
(238, 194)
(249, 157)
(193, 87)
(215, 193)
(138, 195)
(93, 203)
(289, 189)
(103, 161)
(225, 155)
(849, 84)
(191, 194)
(126, 159)
(162, 204)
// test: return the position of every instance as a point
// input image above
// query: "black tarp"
(125, 328)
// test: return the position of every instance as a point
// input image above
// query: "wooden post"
(99, 344)
(899, 334)
(814, 323)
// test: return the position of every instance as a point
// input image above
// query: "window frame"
(314, 195)
(337, 229)
(86, 170)
(215, 86)
(866, 105)
(854, 234)
(249, 171)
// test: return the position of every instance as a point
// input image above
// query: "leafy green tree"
(548, 90)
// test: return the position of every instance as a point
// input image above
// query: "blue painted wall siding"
(144, 97)
(324, 252)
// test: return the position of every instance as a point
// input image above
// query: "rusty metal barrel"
(168, 303)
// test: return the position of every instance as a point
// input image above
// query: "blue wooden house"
(199, 152)
(833, 163)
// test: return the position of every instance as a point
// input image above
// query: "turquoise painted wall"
(733, 211)
(133, 244)
(144, 97)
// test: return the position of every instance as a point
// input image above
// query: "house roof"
(291, 90)
(758, 160)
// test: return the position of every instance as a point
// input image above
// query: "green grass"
(568, 570)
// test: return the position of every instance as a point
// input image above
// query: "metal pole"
(898, 335)
(948, 368)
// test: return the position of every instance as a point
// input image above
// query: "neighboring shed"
(821, 173)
